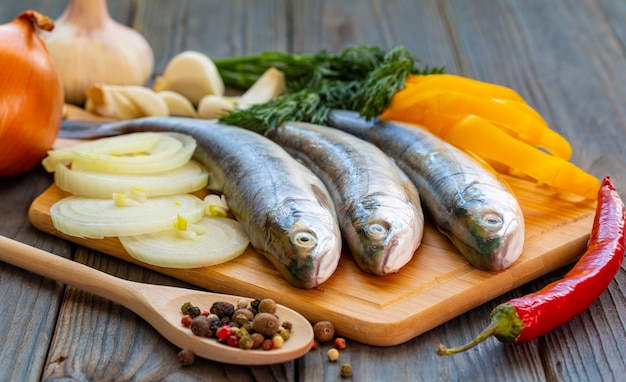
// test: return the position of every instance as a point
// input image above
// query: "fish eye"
(376, 230)
(492, 219)
(304, 239)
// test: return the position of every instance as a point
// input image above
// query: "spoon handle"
(66, 271)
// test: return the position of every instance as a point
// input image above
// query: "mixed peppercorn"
(324, 331)
(250, 324)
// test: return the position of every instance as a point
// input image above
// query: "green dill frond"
(361, 78)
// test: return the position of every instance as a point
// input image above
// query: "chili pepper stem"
(506, 326)
(491, 330)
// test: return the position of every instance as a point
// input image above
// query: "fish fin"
(323, 198)
(411, 193)
(214, 183)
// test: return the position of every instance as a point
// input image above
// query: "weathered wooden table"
(565, 57)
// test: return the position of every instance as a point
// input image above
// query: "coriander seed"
(332, 354)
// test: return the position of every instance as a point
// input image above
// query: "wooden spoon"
(160, 306)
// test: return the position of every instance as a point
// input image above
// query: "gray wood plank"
(100, 340)
(565, 56)
(30, 302)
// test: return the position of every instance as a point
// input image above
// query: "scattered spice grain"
(186, 357)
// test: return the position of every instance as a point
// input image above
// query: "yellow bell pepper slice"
(437, 108)
(471, 133)
(462, 84)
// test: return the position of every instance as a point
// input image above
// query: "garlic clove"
(125, 102)
(89, 47)
(270, 85)
(145, 99)
(177, 104)
(214, 106)
(102, 101)
(191, 74)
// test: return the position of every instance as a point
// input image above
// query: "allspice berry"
(257, 340)
(186, 357)
(324, 331)
(267, 305)
(266, 324)
(201, 326)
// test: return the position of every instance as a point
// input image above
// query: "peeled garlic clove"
(88, 47)
(125, 102)
(104, 102)
(146, 100)
(191, 74)
(270, 85)
(177, 104)
(214, 106)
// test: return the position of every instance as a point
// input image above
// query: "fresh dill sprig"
(360, 78)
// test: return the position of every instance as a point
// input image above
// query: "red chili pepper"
(525, 318)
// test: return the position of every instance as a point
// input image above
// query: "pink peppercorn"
(267, 344)
(340, 343)
(224, 332)
(233, 341)
(186, 320)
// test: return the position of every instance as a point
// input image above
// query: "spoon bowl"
(160, 306)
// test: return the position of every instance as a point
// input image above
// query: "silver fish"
(284, 208)
(378, 207)
(467, 202)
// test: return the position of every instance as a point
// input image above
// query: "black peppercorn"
(194, 311)
(222, 309)
(287, 325)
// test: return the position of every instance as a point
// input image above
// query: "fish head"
(384, 237)
(489, 227)
(305, 243)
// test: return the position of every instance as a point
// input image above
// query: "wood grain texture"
(566, 57)
(436, 286)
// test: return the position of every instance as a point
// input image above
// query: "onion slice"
(136, 153)
(128, 143)
(215, 240)
(182, 180)
(98, 218)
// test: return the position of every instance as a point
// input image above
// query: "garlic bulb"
(89, 47)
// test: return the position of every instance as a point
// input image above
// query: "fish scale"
(378, 207)
(284, 208)
(466, 201)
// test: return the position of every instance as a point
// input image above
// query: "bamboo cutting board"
(436, 286)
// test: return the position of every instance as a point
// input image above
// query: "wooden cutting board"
(436, 286)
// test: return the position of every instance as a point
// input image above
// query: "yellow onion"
(88, 47)
(31, 94)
